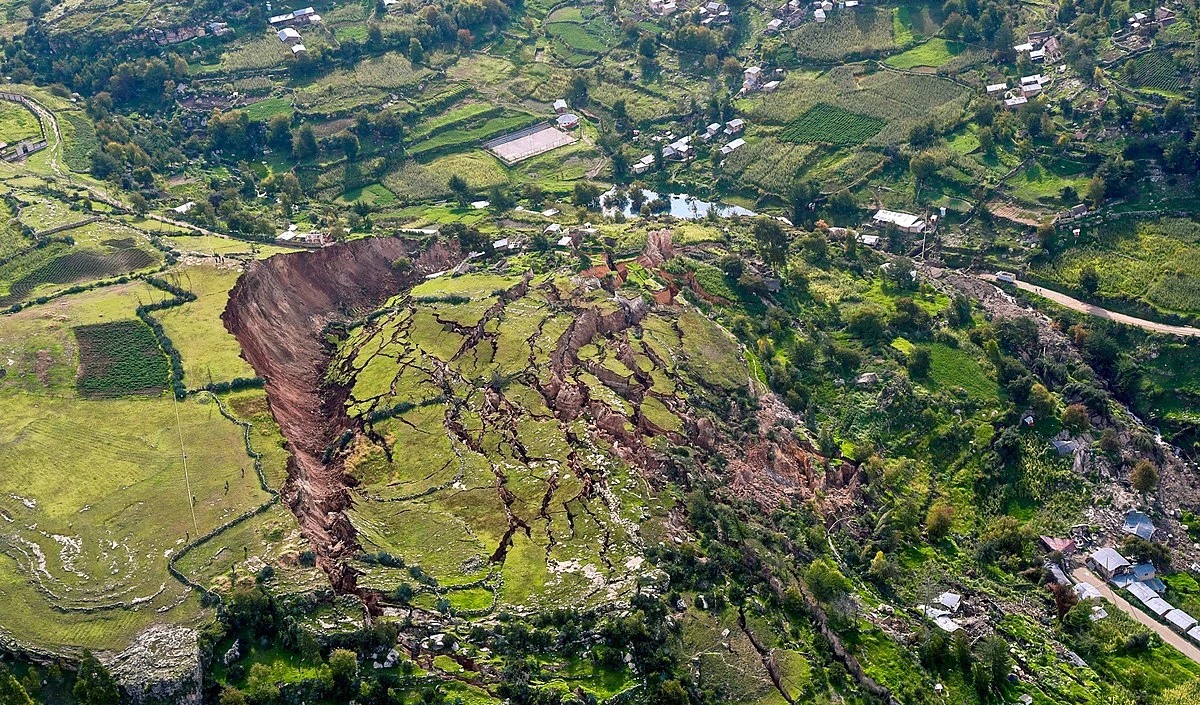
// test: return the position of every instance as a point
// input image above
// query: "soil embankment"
(278, 311)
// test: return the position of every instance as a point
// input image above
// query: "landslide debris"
(279, 310)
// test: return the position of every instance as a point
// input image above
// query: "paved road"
(1084, 307)
(1185, 647)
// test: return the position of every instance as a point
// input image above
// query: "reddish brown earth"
(278, 311)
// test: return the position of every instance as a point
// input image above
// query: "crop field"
(426, 181)
(63, 265)
(210, 352)
(436, 504)
(866, 30)
(1156, 263)
(1155, 71)
(900, 100)
(1037, 182)
(262, 53)
(472, 133)
(17, 123)
(264, 110)
(119, 358)
(578, 34)
(769, 163)
(832, 125)
(933, 53)
(79, 139)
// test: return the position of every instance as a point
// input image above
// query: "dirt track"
(1092, 310)
(277, 311)
(1184, 646)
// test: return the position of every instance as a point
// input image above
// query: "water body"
(683, 206)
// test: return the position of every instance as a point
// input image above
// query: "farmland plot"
(1155, 72)
(769, 163)
(866, 31)
(119, 358)
(832, 125)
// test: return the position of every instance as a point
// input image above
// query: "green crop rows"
(119, 358)
(1155, 71)
(77, 266)
(826, 123)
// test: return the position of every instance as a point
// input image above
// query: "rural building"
(303, 16)
(869, 240)
(1023, 48)
(1158, 606)
(288, 36)
(711, 131)
(1037, 55)
(1107, 563)
(679, 150)
(568, 121)
(775, 25)
(1015, 101)
(770, 86)
(1164, 16)
(298, 49)
(1087, 591)
(662, 8)
(552, 228)
(733, 146)
(906, 222)
(819, 15)
(1138, 524)
(560, 106)
(643, 165)
(995, 88)
(1063, 546)
(951, 601)
(185, 207)
(735, 126)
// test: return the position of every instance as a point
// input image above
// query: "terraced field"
(832, 125)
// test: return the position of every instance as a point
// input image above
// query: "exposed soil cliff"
(278, 311)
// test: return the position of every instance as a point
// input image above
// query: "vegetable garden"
(119, 358)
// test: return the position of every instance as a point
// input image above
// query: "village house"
(560, 106)
(643, 165)
(751, 78)
(905, 222)
(567, 121)
(1015, 101)
(996, 88)
(306, 15)
(770, 86)
(298, 49)
(711, 131)
(663, 8)
(1063, 546)
(1138, 524)
(735, 127)
(679, 150)
(775, 26)
(289, 36)
(1106, 562)
(732, 146)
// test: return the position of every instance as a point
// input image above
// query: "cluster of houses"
(682, 149)
(165, 37)
(1160, 17)
(712, 13)
(571, 236)
(1030, 87)
(304, 16)
(943, 610)
(292, 236)
(1140, 580)
(1040, 46)
(795, 12)
(752, 80)
(663, 8)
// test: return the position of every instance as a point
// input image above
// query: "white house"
(1107, 562)
(735, 126)
(770, 86)
(1023, 48)
(711, 131)
(995, 88)
(560, 106)
(288, 36)
(819, 15)
(775, 25)
(733, 146)
(752, 76)
(568, 121)
(906, 222)
(298, 49)
(1015, 101)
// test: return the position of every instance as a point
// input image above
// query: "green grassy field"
(832, 125)
(17, 123)
(933, 53)
(210, 352)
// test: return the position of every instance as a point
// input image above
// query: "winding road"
(1093, 310)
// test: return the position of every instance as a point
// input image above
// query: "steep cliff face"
(278, 311)
(161, 667)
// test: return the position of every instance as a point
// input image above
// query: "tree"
(881, 569)
(993, 656)
(866, 324)
(1089, 280)
(918, 362)
(1075, 419)
(279, 133)
(772, 241)
(1144, 476)
(350, 146)
(11, 690)
(1064, 598)
(1042, 401)
(461, 190)
(94, 685)
(1109, 441)
(343, 665)
(261, 684)
(138, 201)
(416, 52)
(939, 520)
(586, 195)
(304, 144)
(922, 167)
(577, 91)
(232, 696)
(825, 581)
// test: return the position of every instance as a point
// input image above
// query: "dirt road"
(1184, 646)
(1091, 310)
